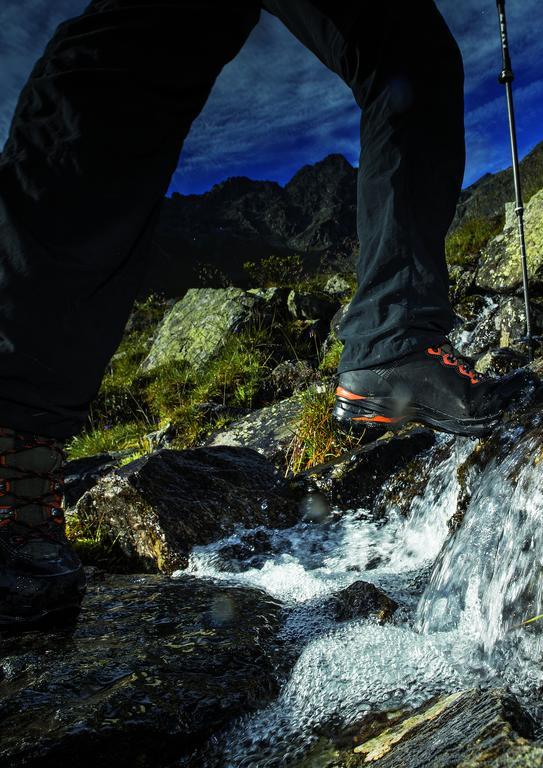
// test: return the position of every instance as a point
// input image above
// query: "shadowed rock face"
(158, 507)
(466, 729)
(154, 666)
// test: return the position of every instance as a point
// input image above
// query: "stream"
(461, 600)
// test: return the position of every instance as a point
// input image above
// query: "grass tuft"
(317, 438)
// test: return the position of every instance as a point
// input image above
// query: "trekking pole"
(506, 77)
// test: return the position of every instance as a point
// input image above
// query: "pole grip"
(506, 75)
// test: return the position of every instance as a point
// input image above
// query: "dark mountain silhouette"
(207, 238)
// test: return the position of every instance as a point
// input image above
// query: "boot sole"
(362, 414)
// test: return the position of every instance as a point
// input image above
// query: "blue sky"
(294, 111)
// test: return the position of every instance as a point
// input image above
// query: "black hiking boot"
(41, 578)
(438, 387)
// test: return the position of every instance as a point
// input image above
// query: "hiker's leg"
(406, 74)
(94, 140)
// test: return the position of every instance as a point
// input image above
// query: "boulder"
(81, 475)
(500, 266)
(362, 600)
(269, 431)
(197, 327)
(153, 668)
(158, 507)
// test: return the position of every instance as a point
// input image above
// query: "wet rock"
(158, 507)
(251, 551)
(499, 362)
(303, 305)
(409, 480)
(469, 729)
(154, 667)
(362, 600)
(501, 323)
(356, 483)
(500, 267)
(83, 474)
(291, 376)
(269, 430)
(197, 327)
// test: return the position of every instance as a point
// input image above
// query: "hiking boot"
(438, 387)
(41, 577)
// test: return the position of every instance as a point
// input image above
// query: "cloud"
(276, 107)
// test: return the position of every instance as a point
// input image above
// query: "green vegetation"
(463, 246)
(132, 403)
(317, 439)
(275, 271)
(329, 363)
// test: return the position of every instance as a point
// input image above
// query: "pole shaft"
(506, 77)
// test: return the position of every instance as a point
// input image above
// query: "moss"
(330, 360)
(462, 247)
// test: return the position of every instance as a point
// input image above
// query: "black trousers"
(97, 134)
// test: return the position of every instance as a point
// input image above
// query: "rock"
(499, 362)
(154, 667)
(158, 507)
(500, 266)
(248, 553)
(356, 483)
(290, 377)
(82, 474)
(461, 279)
(337, 286)
(361, 600)
(409, 480)
(466, 729)
(198, 326)
(335, 323)
(274, 298)
(500, 323)
(303, 305)
(268, 430)
(161, 438)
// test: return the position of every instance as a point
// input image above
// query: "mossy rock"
(199, 325)
(500, 265)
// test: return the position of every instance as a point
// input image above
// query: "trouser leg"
(406, 74)
(95, 138)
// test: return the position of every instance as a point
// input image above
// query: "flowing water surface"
(461, 598)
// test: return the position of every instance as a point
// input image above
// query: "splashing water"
(487, 578)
